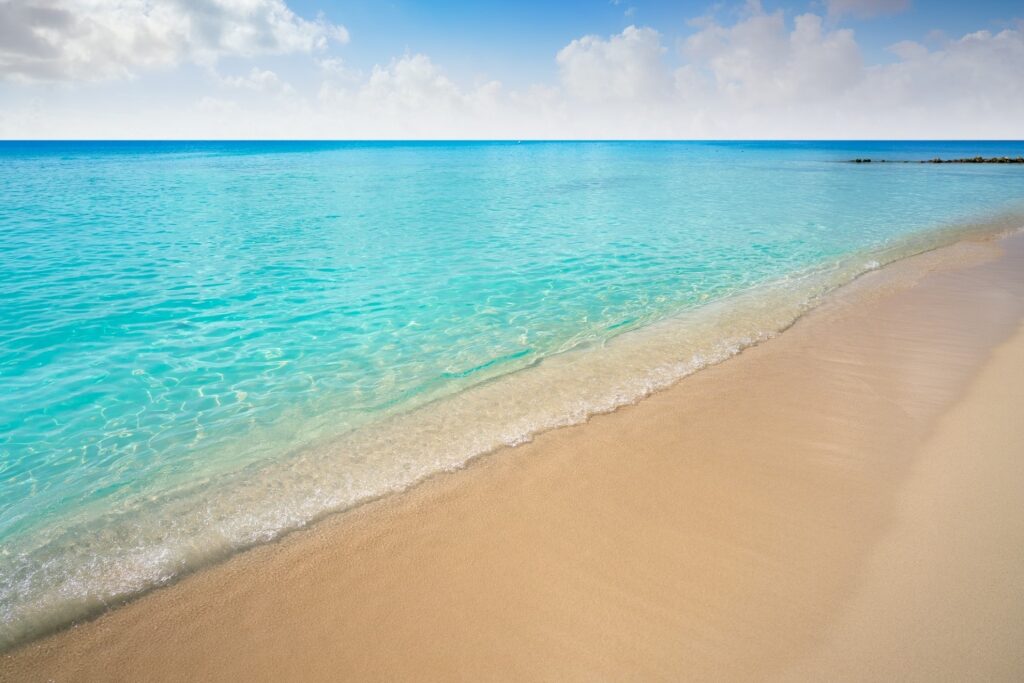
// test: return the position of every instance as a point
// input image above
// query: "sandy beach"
(839, 503)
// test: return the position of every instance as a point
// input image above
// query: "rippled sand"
(839, 502)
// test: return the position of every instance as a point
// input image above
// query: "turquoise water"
(205, 344)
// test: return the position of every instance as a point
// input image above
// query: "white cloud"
(411, 97)
(410, 83)
(217, 107)
(761, 75)
(770, 79)
(258, 80)
(90, 40)
(765, 76)
(977, 75)
(760, 60)
(624, 67)
(334, 69)
(865, 8)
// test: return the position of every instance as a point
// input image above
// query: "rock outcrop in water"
(937, 160)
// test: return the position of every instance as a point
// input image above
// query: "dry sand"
(842, 502)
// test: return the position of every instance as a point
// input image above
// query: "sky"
(576, 69)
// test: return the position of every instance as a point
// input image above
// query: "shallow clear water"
(205, 344)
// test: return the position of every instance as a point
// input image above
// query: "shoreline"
(217, 517)
(358, 532)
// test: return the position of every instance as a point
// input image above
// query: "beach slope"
(841, 502)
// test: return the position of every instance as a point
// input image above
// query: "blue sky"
(517, 40)
(579, 68)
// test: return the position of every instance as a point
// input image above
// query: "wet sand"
(842, 502)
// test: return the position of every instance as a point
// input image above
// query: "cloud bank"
(623, 67)
(90, 40)
(762, 75)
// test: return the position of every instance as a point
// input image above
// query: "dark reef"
(936, 160)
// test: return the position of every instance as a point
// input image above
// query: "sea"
(205, 345)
